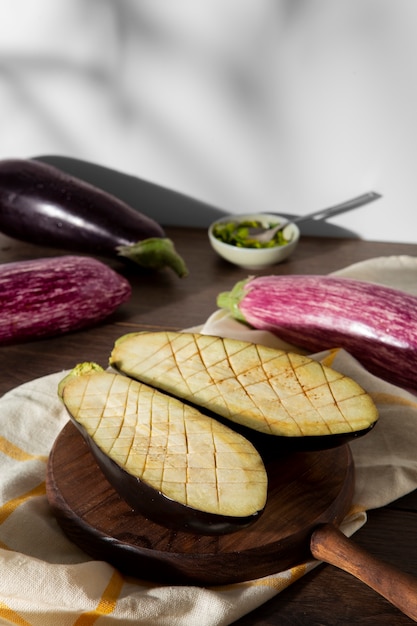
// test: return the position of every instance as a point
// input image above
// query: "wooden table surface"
(326, 596)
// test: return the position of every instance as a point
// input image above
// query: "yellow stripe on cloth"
(10, 449)
(107, 602)
(329, 358)
(278, 582)
(388, 398)
(9, 507)
(11, 616)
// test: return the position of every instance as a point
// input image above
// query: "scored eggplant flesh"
(171, 463)
(271, 391)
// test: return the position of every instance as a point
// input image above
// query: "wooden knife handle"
(329, 544)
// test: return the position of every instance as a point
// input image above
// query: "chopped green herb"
(237, 234)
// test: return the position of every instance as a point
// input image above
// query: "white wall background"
(285, 105)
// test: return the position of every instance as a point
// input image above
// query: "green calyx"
(230, 300)
(155, 253)
(86, 367)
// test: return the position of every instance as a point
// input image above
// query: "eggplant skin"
(374, 323)
(43, 205)
(55, 295)
(272, 448)
(154, 505)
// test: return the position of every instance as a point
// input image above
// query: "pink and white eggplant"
(374, 323)
(55, 295)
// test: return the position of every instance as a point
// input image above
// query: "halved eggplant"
(171, 463)
(270, 391)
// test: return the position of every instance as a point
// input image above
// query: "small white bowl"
(255, 258)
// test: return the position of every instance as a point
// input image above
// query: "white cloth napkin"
(47, 581)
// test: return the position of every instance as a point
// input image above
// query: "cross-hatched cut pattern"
(272, 391)
(181, 453)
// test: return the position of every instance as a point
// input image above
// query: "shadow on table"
(166, 206)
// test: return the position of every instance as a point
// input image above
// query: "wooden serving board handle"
(329, 544)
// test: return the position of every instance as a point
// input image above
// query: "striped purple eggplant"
(55, 295)
(374, 323)
(43, 205)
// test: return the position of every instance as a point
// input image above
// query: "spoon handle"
(339, 208)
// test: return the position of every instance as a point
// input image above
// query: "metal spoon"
(266, 234)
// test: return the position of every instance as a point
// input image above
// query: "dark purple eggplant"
(52, 296)
(43, 205)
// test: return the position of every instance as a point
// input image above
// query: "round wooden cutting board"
(306, 489)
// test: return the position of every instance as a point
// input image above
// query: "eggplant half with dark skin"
(168, 461)
(299, 401)
(43, 205)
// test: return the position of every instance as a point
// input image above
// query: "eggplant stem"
(155, 253)
(86, 367)
(230, 300)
